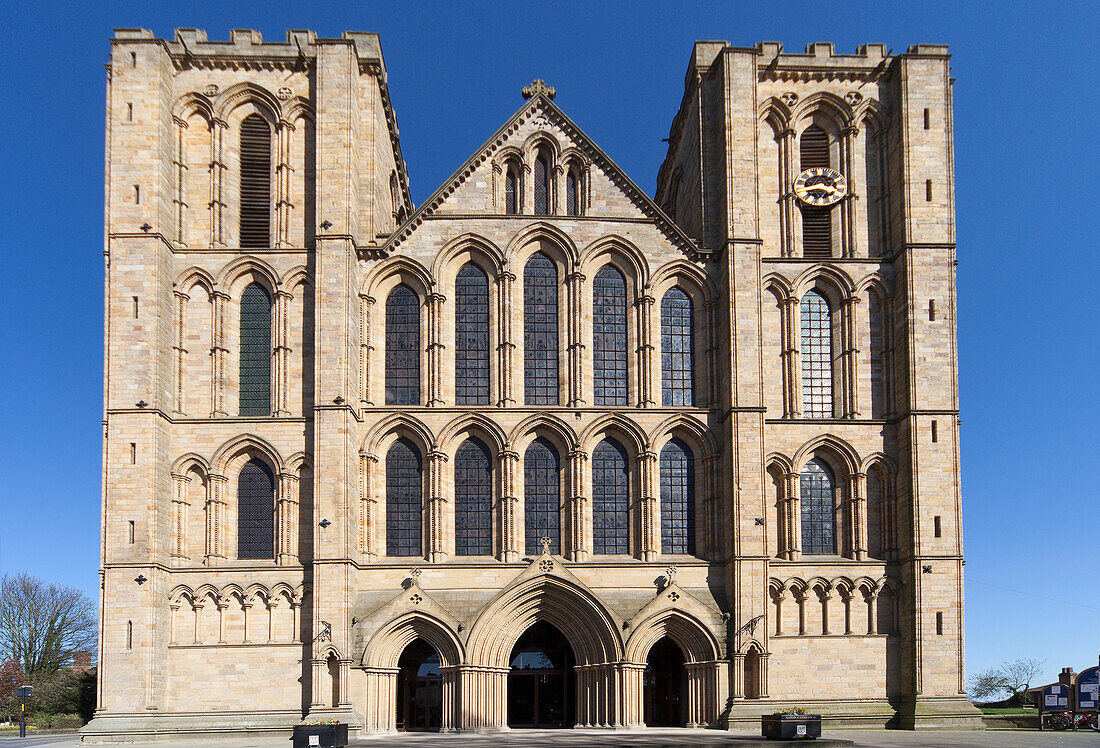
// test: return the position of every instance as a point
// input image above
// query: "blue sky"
(1025, 123)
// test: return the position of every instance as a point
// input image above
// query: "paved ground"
(649, 739)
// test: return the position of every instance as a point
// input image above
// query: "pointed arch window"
(471, 336)
(511, 189)
(610, 498)
(677, 349)
(817, 231)
(818, 497)
(541, 497)
(817, 356)
(255, 351)
(572, 193)
(402, 347)
(404, 500)
(542, 184)
(473, 499)
(609, 337)
(255, 210)
(540, 331)
(256, 511)
(677, 498)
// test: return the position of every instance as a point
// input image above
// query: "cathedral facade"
(544, 451)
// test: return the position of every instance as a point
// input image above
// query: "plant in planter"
(320, 733)
(790, 724)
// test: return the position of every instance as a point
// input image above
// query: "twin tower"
(544, 451)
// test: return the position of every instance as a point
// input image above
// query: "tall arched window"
(255, 182)
(402, 347)
(572, 193)
(817, 356)
(542, 185)
(610, 499)
(609, 336)
(817, 492)
(473, 500)
(404, 500)
(541, 497)
(256, 511)
(255, 352)
(677, 349)
(817, 231)
(677, 498)
(540, 331)
(471, 336)
(511, 189)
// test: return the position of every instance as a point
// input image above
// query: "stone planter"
(320, 736)
(790, 726)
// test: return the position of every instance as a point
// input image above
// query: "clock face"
(820, 186)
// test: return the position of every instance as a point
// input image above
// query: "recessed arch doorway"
(541, 682)
(664, 682)
(419, 688)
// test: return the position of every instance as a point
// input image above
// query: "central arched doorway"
(541, 683)
(419, 688)
(663, 683)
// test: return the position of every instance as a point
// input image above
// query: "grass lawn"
(1008, 710)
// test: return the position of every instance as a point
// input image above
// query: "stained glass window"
(817, 356)
(473, 500)
(540, 331)
(256, 511)
(542, 186)
(677, 349)
(404, 500)
(402, 347)
(610, 499)
(471, 336)
(541, 497)
(609, 336)
(255, 361)
(677, 498)
(255, 215)
(511, 191)
(572, 199)
(817, 491)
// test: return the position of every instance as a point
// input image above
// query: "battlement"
(248, 44)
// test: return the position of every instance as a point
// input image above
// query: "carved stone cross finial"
(538, 86)
(545, 540)
(415, 574)
(670, 575)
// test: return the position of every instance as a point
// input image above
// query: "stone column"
(218, 352)
(791, 356)
(788, 207)
(317, 698)
(180, 198)
(196, 607)
(846, 598)
(271, 605)
(779, 600)
(179, 348)
(215, 519)
(857, 515)
(296, 620)
(646, 364)
(368, 506)
(510, 531)
(435, 348)
(826, 596)
(650, 536)
(792, 513)
(574, 285)
(286, 519)
(342, 686)
(246, 608)
(437, 507)
(710, 314)
(800, 597)
(281, 355)
(218, 130)
(849, 340)
(283, 172)
(505, 347)
(174, 609)
(180, 508)
(871, 598)
(223, 603)
(366, 350)
(580, 533)
(847, 206)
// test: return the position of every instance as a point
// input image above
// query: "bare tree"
(42, 624)
(1011, 678)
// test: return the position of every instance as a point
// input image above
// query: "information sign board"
(1088, 689)
(1055, 697)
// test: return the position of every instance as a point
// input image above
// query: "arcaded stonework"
(194, 637)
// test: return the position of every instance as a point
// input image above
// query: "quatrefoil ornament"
(546, 565)
(416, 599)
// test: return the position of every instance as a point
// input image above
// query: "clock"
(820, 186)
